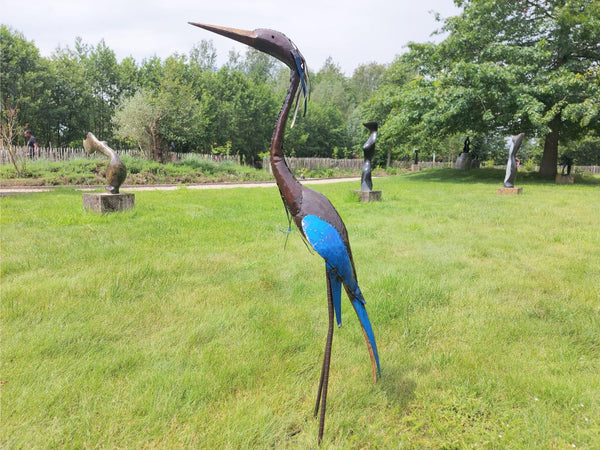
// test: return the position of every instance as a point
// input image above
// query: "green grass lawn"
(188, 321)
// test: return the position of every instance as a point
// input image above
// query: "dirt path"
(13, 190)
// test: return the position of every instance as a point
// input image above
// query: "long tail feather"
(358, 303)
(336, 291)
(328, 243)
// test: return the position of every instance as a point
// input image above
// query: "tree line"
(183, 103)
(504, 67)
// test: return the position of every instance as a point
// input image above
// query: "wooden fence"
(587, 169)
(65, 154)
(422, 164)
(344, 164)
(48, 154)
(318, 163)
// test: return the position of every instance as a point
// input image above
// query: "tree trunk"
(550, 156)
(156, 143)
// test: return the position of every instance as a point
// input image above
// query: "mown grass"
(186, 323)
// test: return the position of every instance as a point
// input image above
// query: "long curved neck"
(92, 144)
(290, 188)
(106, 150)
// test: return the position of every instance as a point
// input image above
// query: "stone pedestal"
(564, 179)
(103, 202)
(510, 191)
(415, 168)
(463, 162)
(369, 196)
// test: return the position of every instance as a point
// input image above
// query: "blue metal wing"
(328, 243)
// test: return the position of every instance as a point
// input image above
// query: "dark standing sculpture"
(366, 183)
(313, 214)
(467, 146)
(116, 172)
(511, 166)
(567, 162)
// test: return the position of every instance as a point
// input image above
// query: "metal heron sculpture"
(314, 215)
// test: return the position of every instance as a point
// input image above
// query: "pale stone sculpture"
(511, 166)
(116, 172)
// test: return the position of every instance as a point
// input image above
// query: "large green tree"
(319, 134)
(508, 66)
(182, 100)
(365, 80)
(165, 111)
(103, 78)
(64, 96)
(241, 112)
(68, 100)
(401, 129)
(83, 90)
(23, 82)
(363, 84)
(331, 86)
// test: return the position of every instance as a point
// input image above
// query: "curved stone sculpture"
(511, 166)
(366, 183)
(116, 172)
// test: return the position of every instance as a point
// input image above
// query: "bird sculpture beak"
(243, 36)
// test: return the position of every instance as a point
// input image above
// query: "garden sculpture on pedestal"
(465, 159)
(567, 162)
(116, 172)
(314, 215)
(366, 183)
(511, 165)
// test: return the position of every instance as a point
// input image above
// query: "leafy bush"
(195, 162)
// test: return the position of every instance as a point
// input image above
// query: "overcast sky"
(352, 32)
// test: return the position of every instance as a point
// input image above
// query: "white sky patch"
(351, 32)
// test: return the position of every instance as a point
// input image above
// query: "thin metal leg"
(323, 382)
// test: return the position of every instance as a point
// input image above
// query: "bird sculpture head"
(267, 41)
(371, 126)
(271, 42)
